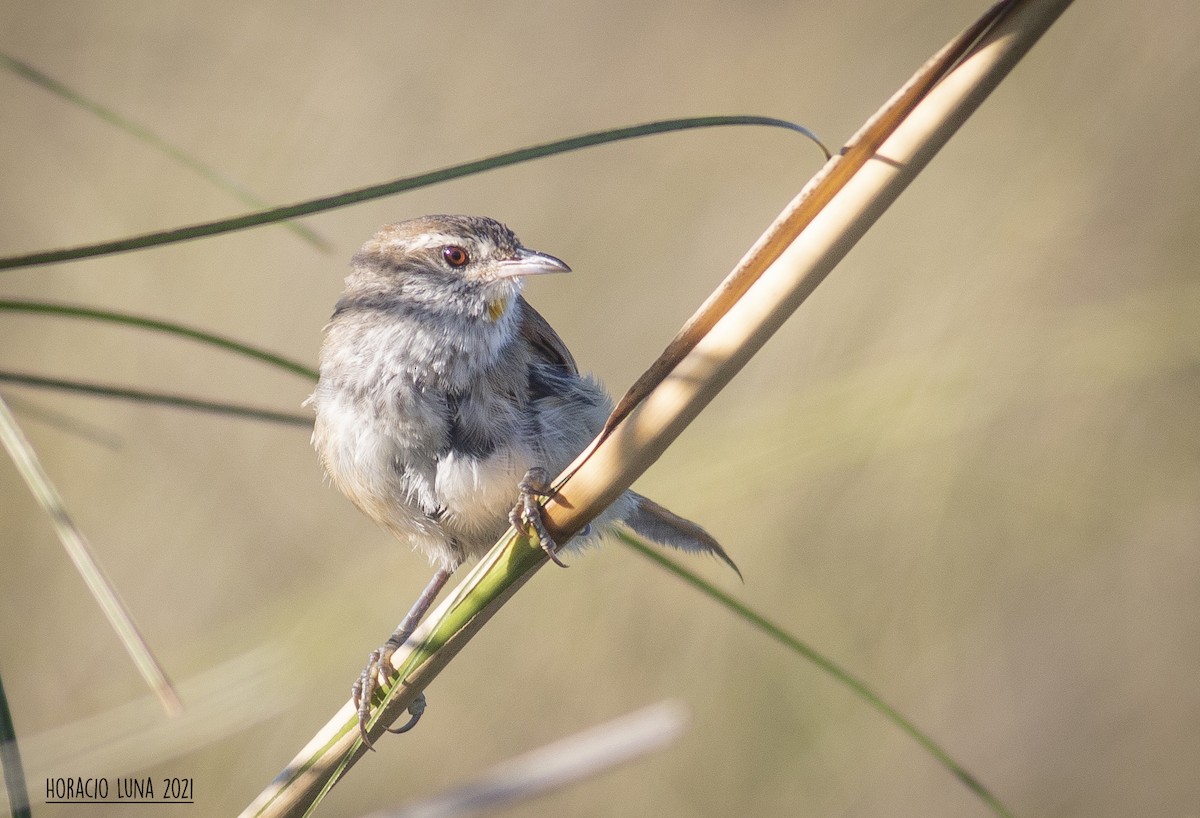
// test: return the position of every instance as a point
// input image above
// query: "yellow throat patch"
(496, 308)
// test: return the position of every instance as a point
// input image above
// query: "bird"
(445, 402)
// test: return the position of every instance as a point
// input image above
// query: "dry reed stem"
(639, 438)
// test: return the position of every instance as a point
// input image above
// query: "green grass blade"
(156, 398)
(10, 760)
(142, 134)
(154, 324)
(388, 188)
(856, 686)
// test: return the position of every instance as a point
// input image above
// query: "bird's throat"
(497, 307)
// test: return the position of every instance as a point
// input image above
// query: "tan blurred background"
(968, 469)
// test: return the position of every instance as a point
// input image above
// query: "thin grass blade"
(378, 191)
(156, 398)
(157, 325)
(148, 137)
(80, 552)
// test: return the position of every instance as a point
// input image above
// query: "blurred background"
(968, 469)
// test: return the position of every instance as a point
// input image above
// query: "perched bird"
(445, 403)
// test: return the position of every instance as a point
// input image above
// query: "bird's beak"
(530, 263)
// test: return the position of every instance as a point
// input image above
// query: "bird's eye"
(454, 255)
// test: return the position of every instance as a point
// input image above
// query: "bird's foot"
(526, 515)
(379, 664)
(374, 677)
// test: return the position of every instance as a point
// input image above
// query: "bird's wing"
(541, 336)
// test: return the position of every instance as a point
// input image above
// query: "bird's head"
(467, 265)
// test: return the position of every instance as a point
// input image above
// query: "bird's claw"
(373, 677)
(526, 515)
(415, 711)
(369, 681)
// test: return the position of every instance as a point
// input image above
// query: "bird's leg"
(526, 515)
(379, 663)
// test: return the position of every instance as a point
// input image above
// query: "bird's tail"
(664, 527)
